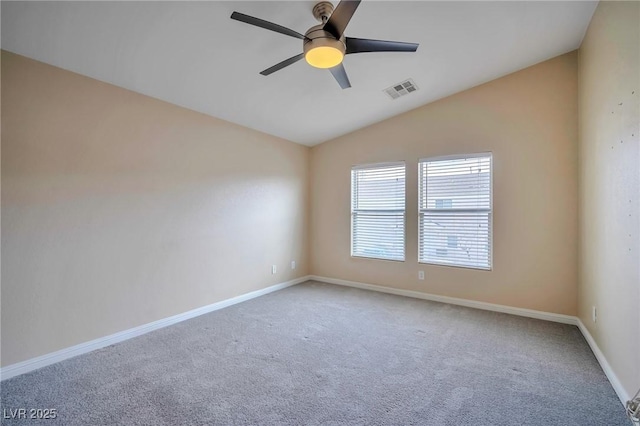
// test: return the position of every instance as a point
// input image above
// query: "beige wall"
(119, 209)
(609, 89)
(529, 121)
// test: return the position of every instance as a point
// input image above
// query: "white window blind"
(455, 211)
(378, 211)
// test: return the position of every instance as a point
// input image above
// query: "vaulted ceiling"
(193, 55)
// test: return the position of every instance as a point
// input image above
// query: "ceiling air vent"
(401, 89)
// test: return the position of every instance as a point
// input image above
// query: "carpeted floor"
(322, 354)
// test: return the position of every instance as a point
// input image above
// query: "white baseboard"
(608, 371)
(548, 316)
(530, 313)
(54, 357)
(83, 348)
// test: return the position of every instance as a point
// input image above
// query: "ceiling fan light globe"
(324, 57)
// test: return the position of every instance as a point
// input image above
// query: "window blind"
(455, 205)
(378, 211)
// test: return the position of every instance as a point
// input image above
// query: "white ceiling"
(191, 54)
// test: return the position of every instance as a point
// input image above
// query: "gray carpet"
(322, 354)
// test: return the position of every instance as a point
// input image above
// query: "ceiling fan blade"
(360, 45)
(265, 24)
(340, 74)
(283, 64)
(340, 17)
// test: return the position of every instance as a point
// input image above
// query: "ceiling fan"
(325, 45)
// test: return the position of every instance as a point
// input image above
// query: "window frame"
(404, 210)
(490, 210)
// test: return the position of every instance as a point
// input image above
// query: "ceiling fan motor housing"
(318, 37)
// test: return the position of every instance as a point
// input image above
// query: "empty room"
(320, 213)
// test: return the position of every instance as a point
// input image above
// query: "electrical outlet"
(274, 269)
(594, 314)
(293, 264)
(421, 275)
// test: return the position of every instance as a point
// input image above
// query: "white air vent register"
(401, 89)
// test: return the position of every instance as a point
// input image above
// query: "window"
(455, 211)
(378, 211)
